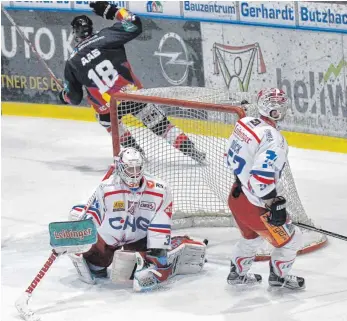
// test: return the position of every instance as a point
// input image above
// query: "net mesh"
(188, 150)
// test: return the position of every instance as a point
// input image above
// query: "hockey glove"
(278, 213)
(62, 97)
(104, 9)
(237, 190)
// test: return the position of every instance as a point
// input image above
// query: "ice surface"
(49, 165)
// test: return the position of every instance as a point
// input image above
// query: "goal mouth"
(183, 131)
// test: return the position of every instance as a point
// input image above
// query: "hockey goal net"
(200, 190)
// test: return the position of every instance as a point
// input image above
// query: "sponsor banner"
(167, 53)
(42, 4)
(282, 13)
(215, 10)
(324, 15)
(305, 15)
(84, 5)
(156, 8)
(311, 68)
(56, 5)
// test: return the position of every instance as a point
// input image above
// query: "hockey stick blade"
(318, 230)
(22, 303)
(22, 306)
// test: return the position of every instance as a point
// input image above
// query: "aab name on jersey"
(90, 56)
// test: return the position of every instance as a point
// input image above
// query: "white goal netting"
(200, 190)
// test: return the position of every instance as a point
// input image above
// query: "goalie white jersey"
(122, 216)
(257, 153)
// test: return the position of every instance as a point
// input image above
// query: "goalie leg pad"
(81, 265)
(187, 256)
(123, 266)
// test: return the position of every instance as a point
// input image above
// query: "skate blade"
(240, 288)
(283, 289)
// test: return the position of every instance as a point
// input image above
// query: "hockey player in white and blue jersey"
(257, 154)
(133, 212)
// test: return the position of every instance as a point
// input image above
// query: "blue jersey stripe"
(160, 226)
(263, 173)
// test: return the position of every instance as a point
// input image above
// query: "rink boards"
(295, 139)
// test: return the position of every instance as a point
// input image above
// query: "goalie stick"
(22, 303)
(20, 32)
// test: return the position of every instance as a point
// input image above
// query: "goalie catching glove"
(154, 268)
(150, 271)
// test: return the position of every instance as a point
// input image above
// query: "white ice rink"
(49, 165)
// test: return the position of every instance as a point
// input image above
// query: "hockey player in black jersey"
(99, 64)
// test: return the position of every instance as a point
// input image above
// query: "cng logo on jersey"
(139, 223)
(118, 206)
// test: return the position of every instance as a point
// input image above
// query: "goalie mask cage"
(200, 191)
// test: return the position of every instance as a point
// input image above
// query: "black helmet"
(82, 27)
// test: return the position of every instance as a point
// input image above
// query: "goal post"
(207, 117)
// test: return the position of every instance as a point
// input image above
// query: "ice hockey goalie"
(133, 215)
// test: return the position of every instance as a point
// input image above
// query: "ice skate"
(290, 281)
(235, 279)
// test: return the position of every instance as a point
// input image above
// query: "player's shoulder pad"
(255, 124)
(155, 183)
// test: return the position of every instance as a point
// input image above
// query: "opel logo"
(174, 58)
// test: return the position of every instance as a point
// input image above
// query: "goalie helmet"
(82, 27)
(130, 167)
(272, 103)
